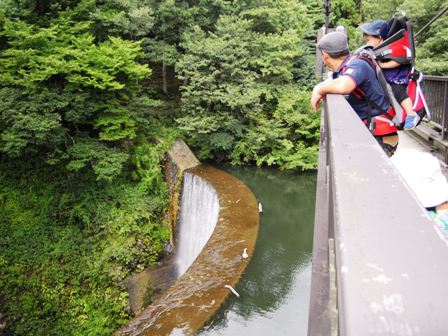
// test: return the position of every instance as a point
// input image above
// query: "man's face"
(327, 60)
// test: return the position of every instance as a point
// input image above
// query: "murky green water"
(274, 291)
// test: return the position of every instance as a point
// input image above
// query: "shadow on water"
(275, 287)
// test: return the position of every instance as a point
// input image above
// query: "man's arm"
(340, 85)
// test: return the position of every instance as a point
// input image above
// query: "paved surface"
(410, 141)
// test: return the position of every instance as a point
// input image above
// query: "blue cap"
(375, 28)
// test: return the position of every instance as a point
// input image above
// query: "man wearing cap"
(356, 78)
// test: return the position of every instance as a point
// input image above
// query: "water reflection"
(275, 288)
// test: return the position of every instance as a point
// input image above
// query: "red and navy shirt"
(367, 87)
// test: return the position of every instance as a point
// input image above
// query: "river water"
(274, 291)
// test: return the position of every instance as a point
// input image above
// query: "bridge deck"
(413, 140)
(379, 262)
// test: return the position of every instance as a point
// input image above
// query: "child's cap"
(375, 28)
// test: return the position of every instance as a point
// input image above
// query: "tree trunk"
(359, 8)
(165, 86)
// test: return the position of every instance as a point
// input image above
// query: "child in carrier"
(396, 74)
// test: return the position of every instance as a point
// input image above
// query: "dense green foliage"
(69, 98)
(67, 244)
(82, 197)
(238, 98)
(432, 44)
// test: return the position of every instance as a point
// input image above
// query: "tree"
(67, 97)
(432, 44)
(81, 187)
(173, 18)
(372, 10)
(235, 80)
(131, 19)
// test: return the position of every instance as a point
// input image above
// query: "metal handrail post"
(445, 112)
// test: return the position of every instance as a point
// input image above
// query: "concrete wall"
(143, 287)
(179, 158)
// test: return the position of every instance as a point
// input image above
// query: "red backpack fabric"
(398, 46)
(415, 92)
(396, 115)
(399, 42)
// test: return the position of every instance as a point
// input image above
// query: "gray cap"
(333, 42)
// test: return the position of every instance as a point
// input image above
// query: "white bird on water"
(260, 208)
(245, 255)
(232, 290)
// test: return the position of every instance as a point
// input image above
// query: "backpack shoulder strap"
(398, 115)
(367, 55)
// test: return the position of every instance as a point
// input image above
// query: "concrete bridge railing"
(379, 262)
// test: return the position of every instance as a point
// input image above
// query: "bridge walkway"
(411, 140)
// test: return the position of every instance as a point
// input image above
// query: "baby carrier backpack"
(399, 46)
(389, 121)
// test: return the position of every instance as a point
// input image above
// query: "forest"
(92, 95)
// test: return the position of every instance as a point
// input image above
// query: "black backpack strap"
(379, 108)
(368, 56)
(369, 123)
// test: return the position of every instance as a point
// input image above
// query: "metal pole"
(319, 64)
(327, 15)
(445, 111)
(432, 20)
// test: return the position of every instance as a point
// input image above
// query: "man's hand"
(340, 85)
(316, 98)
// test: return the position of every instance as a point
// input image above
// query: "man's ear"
(325, 56)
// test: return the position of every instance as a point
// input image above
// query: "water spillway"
(185, 307)
(198, 216)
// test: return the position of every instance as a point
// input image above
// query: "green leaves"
(132, 18)
(107, 163)
(67, 244)
(116, 124)
(235, 84)
(63, 88)
(27, 124)
(432, 44)
(37, 54)
(104, 66)
(288, 138)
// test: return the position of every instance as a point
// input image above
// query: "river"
(274, 291)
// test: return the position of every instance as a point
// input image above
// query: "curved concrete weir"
(196, 296)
